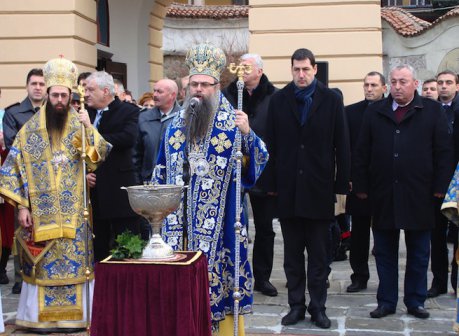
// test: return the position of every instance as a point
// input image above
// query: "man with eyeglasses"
(202, 137)
(43, 177)
(15, 117)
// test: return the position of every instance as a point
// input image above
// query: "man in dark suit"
(116, 121)
(403, 162)
(374, 87)
(18, 114)
(447, 87)
(308, 143)
(255, 101)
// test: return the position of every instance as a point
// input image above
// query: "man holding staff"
(204, 135)
(43, 177)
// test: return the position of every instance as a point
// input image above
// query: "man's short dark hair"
(302, 54)
(34, 72)
(449, 72)
(430, 80)
(382, 79)
(83, 76)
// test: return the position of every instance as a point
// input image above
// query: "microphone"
(194, 103)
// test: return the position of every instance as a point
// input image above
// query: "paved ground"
(349, 313)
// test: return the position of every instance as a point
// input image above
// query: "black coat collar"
(263, 89)
(415, 104)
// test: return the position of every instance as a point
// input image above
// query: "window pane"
(103, 27)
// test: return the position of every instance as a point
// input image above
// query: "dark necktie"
(36, 109)
(98, 118)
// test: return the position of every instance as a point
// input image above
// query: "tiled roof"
(452, 13)
(176, 10)
(403, 22)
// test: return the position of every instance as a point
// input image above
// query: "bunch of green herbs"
(128, 246)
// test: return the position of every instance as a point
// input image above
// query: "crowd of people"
(392, 155)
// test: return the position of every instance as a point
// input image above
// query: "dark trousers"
(263, 208)
(106, 231)
(360, 246)
(439, 252)
(299, 233)
(417, 263)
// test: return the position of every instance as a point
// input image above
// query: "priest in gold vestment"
(43, 177)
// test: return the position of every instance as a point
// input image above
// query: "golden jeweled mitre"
(60, 71)
(206, 59)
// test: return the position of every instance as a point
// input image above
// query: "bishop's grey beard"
(198, 123)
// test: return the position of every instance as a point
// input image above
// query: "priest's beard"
(56, 118)
(198, 124)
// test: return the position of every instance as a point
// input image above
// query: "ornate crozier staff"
(85, 213)
(239, 70)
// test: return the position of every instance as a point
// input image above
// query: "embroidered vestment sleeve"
(255, 149)
(97, 149)
(13, 179)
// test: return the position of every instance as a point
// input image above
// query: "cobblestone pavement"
(349, 313)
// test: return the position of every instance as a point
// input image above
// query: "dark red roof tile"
(176, 10)
(403, 22)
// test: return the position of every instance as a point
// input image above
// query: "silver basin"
(155, 202)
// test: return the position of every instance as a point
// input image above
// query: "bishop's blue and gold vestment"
(211, 201)
(49, 181)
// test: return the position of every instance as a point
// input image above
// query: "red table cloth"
(161, 298)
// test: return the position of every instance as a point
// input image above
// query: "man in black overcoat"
(447, 87)
(255, 101)
(374, 87)
(308, 142)
(403, 162)
(117, 122)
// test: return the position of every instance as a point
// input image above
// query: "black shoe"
(356, 286)
(17, 288)
(381, 312)
(419, 312)
(432, 292)
(293, 317)
(266, 288)
(4, 279)
(321, 320)
(340, 256)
